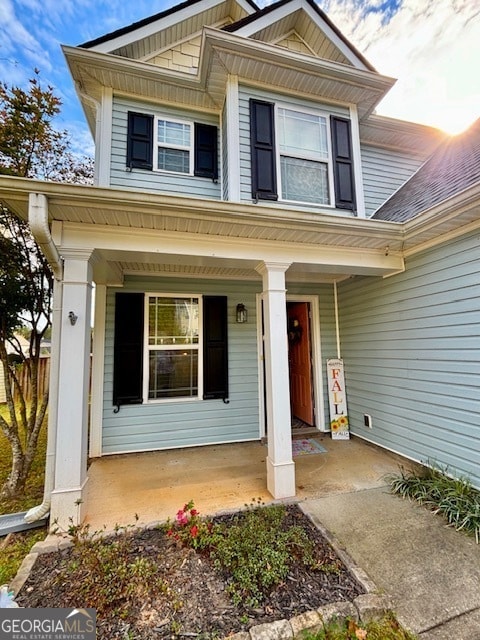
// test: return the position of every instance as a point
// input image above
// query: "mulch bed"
(196, 604)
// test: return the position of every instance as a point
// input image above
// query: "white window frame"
(306, 156)
(147, 348)
(164, 145)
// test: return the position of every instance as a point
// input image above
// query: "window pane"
(174, 133)
(302, 134)
(304, 180)
(174, 160)
(173, 374)
(172, 321)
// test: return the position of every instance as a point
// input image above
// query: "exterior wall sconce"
(242, 315)
(72, 317)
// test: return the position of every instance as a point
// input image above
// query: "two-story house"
(246, 192)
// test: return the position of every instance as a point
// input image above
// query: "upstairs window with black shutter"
(262, 146)
(307, 152)
(140, 141)
(343, 163)
(206, 152)
(174, 146)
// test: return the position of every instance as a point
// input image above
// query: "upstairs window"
(305, 163)
(302, 155)
(174, 146)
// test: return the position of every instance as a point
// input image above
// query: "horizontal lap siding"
(155, 180)
(190, 423)
(384, 171)
(411, 345)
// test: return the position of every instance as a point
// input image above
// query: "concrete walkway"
(431, 571)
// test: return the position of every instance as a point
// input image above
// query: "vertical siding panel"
(411, 345)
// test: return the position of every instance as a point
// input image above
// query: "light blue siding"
(155, 180)
(384, 171)
(189, 423)
(411, 345)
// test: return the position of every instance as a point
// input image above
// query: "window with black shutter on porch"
(168, 341)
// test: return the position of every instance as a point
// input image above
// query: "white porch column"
(73, 390)
(280, 465)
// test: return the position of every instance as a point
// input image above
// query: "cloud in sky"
(432, 47)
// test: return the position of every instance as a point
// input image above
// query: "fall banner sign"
(337, 400)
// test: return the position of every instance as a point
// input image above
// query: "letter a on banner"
(337, 400)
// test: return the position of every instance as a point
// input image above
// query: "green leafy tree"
(30, 147)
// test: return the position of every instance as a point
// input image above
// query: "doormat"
(306, 446)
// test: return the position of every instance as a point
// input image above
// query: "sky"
(432, 48)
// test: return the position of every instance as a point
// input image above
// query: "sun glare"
(454, 121)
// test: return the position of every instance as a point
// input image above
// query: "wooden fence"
(22, 373)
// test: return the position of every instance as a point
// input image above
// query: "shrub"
(454, 498)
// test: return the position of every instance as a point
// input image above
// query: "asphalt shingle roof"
(453, 167)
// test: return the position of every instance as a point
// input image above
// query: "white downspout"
(337, 326)
(38, 221)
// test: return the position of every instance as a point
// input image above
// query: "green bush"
(454, 498)
(254, 549)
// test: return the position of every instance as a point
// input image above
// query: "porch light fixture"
(242, 315)
(72, 317)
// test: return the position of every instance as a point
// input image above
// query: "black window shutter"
(128, 349)
(343, 163)
(140, 140)
(215, 348)
(262, 142)
(206, 151)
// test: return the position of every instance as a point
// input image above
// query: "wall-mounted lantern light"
(242, 315)
(72, 317)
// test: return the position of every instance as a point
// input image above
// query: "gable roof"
(140, 24)
(271, 9)
(453, 168)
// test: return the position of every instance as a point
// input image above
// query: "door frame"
(317, 377)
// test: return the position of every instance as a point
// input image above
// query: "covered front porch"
(155, 485)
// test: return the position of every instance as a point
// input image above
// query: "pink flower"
(194, 512)
(194, 531)
(182, 517)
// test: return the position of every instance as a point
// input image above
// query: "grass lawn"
(14, 548)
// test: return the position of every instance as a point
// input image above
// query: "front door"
(300, 361)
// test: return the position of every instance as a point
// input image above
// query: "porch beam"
(361, 260)
(280, 465)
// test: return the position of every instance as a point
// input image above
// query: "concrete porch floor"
(218, 478)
